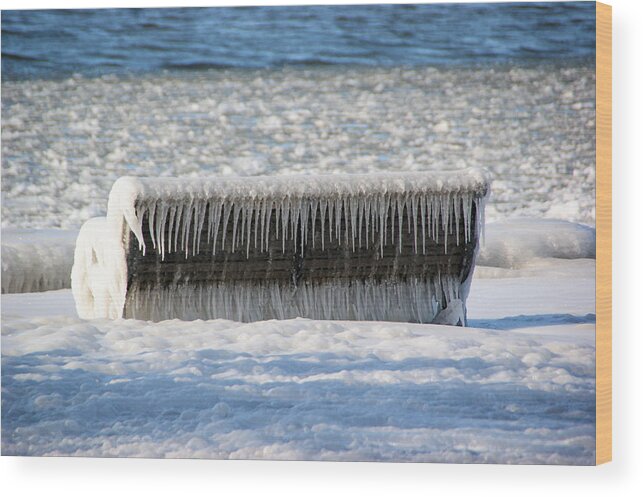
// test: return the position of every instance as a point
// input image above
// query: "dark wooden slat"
(336, 260)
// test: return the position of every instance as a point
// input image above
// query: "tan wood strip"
(603, 233)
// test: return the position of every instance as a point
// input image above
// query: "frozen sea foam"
(532, 127)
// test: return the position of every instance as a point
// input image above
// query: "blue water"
(57, 43)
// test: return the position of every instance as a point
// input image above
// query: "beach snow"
(517, 388)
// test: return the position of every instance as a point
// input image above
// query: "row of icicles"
(356, 221)
(416, 300)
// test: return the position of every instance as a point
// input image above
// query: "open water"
(58, 43)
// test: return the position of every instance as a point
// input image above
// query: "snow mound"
(513, 243)
(36, 260)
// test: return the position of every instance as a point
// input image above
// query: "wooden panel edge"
(603, 233)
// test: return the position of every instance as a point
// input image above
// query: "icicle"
(202, 206)
(414, 208)
(236, 212)
(410, 220)
(187, 223)
(277, 219)
(456, 215)
(215, 225)
(360, 221)
(466, 212)
(170, 227)
(313, 214)
(338, 219)
(158, 227)
(381, 209)
(444, 205)
(416, 299)
(285, 212)
(244, 218)
(323, 204)
(331, 214)
(423, 217)
(393, 216)
(449, 208)
(247, 225)
(354, 206)
(429, 216)
(367, 216)
(400, 216)
(304, 210)
(150, 222)
(210, 208)
(295, 212)
(267, 216)
(257, 215)
(227, 208)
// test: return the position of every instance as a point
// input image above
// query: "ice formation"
(36, 260)
(415, 300)
(513, 243)
(355, 211)
(430, 202)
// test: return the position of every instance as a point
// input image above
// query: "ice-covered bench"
(386, 246)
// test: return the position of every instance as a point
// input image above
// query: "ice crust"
(347, 205)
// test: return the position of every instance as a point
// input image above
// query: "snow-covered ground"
(517, 386)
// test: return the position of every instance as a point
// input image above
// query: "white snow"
(305, 389)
